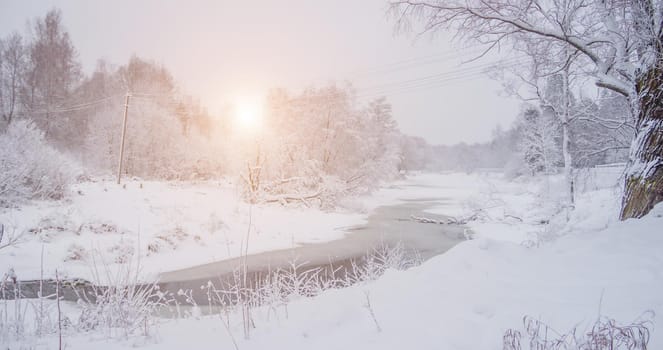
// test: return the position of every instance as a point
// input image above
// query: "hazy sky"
(223, 50)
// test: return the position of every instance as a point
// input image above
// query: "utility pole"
(124, 133)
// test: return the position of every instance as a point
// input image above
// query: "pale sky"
(221, 50)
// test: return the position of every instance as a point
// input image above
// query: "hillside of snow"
(567, 273)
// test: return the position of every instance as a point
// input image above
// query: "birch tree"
(53, 72)
(13, 61)
(620, 41)
(549, 83)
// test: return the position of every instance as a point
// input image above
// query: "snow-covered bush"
(378, 261)
(272, 291)
(311, 188)
(317, 147)
(167, 239)
(24, 320)
(604, 334)
(29, 167)
(12, 314)
(119, 303)
(76, 252)
(122, 251)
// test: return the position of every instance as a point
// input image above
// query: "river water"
(386, 226)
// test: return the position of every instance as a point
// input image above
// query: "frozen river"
(387, 225)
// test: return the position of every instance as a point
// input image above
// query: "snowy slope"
(174, 225)
(466, 298)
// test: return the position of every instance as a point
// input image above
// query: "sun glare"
(248, 114)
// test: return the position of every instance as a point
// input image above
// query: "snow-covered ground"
(464, 299)
(173, 225)
(523, 261)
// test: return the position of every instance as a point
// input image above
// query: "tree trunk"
(568, 164)
(566, 140)
(644, 175)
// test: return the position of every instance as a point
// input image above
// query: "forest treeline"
(315, 146)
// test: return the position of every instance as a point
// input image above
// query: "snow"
(565, 273)
(181, 224)
(192, 223)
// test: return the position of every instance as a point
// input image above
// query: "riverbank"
(565, 273)
(173, 226)
(387, 227)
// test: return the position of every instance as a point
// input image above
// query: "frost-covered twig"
(120, 301)
(368, 306)
(9, 239)
(604, 334)
(57, 297)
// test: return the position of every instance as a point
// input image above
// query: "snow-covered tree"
(52, 74)
(381, 140)
(160, 142)
(13, 65)
(319, 145)
(557, 98)
(619, 42)
(415, 154)
(553, 74)
(538, 135)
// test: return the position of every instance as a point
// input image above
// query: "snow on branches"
(29, 167)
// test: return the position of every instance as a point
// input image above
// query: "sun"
(248, 113)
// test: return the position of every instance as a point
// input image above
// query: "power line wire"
(461, 70)
(404, 64)
(414, 63)
(72, 108)
(434, 81)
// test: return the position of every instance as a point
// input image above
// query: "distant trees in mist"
(313, 148)
(321, 144)
(599, 133)
(38, 74)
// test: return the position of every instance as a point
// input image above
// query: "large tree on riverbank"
(621, 42)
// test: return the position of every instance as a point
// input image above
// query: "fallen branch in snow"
(513, 217)
(425, 220)
(285, 180)
(449, 221)
(287, 198)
